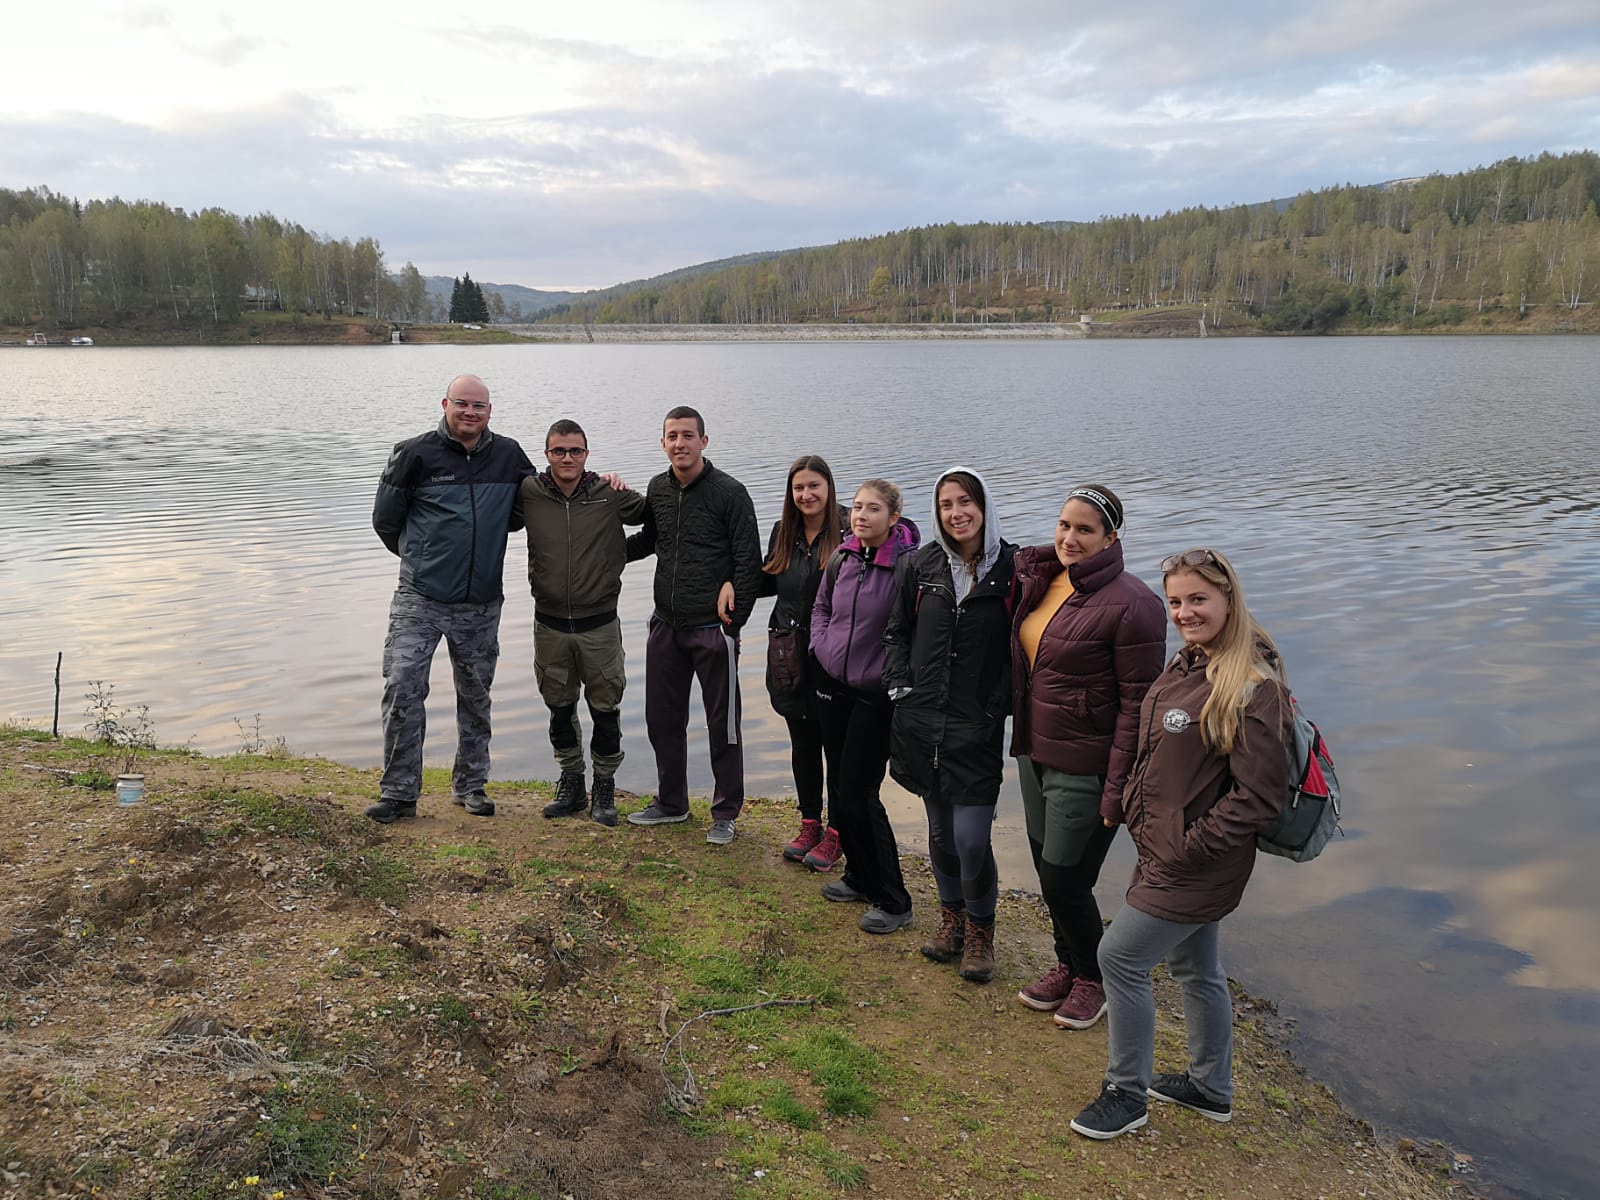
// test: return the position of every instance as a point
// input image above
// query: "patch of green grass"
(371, 874)
(839, 1169)
(734, 1092)
(312, 1131)
(383, 962)
(839, 1065)
(449, 850)
(455, 1013)
(268, 812)
(780, 1104)
(19, 733)
(94, 780)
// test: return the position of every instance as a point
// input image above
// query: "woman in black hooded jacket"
(947, 665)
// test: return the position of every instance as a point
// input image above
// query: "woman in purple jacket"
(1087, 639)
(847, 622)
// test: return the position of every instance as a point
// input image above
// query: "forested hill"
(1435, 250)
(113, 262)
(1498, 242)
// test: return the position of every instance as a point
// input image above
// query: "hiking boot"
(603, 801)
(655, 816)
(720, 833)
(977, 956)
(476, 803)
(840, 892)
(876, 920)
(1180, 1089)
(810, 834)
(570, 799)
(826, 853)
(946, 944)
(387, 812)
(1113, 1113)
(1050, 991)
(1084, 1006)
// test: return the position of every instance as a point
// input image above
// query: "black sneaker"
(387, 812)
(1180, 1089)
(603, 801)
(476, 803)
(570, 799)
(1114, 1113)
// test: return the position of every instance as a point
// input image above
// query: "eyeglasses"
(477, 406)
(567, 451)
(1189, 558)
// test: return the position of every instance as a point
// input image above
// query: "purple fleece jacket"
(853, 603)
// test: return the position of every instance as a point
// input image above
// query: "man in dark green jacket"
(576, 553)
(444, 506)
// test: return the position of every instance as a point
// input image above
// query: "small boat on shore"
(82, 341)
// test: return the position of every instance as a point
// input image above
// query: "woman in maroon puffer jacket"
(1087, 639)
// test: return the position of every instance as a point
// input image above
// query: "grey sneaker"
(387, 812)
(841, 892)
(1180, 1089)
(720, 833)
(477, 804)
(655, 816)
(876, 920)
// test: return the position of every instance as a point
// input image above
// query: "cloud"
(711, 129)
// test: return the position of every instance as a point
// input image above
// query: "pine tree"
(455, 301)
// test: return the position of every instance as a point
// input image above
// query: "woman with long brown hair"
(802, 539)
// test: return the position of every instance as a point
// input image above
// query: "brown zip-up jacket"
(1194, 813)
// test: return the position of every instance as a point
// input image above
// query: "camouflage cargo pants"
(471, 633)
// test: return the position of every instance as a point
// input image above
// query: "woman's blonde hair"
(1239, 658)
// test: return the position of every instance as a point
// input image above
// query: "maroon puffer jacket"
(1077, 708)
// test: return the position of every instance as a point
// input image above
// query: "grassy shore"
(242, 988)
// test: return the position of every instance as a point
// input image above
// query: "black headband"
(1101, 501)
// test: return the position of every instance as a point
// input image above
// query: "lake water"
(1413, 519)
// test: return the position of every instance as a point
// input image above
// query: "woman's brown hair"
(791, 525)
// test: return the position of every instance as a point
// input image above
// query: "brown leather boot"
(977, 957)
(946, 944)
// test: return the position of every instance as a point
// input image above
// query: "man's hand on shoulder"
(614, 481)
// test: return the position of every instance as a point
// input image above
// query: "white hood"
(991, 535)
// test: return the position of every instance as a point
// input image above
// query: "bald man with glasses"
(445, 505)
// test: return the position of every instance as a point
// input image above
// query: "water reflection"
(193, 526)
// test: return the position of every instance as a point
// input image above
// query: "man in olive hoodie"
(576, 553)
(701, 527)
(444, 506)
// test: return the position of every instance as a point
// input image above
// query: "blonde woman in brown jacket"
(1211, 774)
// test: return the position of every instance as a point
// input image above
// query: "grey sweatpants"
(1131, 948)
(472, 634)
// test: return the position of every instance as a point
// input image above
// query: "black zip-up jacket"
(446, 510)
(948, 735)
(702, 535)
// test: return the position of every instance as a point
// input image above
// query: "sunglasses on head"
(1189, 558)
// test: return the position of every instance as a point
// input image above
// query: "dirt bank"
(244, 989)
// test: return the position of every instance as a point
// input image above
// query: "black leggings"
(855, 731)
(1068, 893)
(805, 755)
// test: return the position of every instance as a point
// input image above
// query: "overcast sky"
(578, 145)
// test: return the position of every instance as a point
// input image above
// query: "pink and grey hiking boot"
(810, 834)
(826, 852)
(1049, 992)
(1085, 1006)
